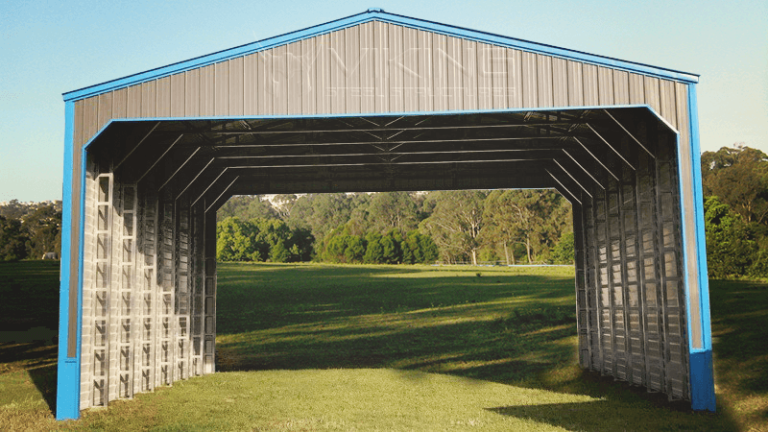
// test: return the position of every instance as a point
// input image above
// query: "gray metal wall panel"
(367, 69)
(620, 87)
(514, 79)
(530, 85)
(351, 65)
(425, 83)
(134, 103)
(163, 101)
(469, 66)
(484, 76)
(395, 68)
(236, 89)
(544, 80)
(192, 93)
(250, 84)
(120, 103)
(207, 85)
(322, 74)
(379, 67)
(104, 110)
(604, 86)
(280, 80)
(178, 95)
(559, 82)
(221, 88)
(410, 66)
(148, 99)
(575, 83)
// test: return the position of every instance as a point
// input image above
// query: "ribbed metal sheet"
(381, 67)
(631, 333)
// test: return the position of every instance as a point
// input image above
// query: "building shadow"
(604, 415)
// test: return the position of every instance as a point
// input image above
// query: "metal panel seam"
(395, 19)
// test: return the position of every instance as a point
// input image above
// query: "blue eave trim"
(379, 15)
(700, 360)
(68, 369)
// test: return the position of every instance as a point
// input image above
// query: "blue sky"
(48, 48)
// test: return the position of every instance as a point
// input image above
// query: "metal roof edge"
(375, 14)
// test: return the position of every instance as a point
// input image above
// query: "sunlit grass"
(320, 347)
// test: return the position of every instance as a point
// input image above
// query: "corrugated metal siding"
(379, 67)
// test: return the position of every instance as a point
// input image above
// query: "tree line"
(500, 226)
(29, 230)
(735, 182)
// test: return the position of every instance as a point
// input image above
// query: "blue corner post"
(701, 367)
(68, 385)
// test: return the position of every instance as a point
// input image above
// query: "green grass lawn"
(390, 348)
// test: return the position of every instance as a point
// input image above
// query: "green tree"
(564, 250)
(12, 240)
(731, 248)
(455, 223)
(236, 241)
(392, 211)
(374, 251)
(739, 176)
(43, 229)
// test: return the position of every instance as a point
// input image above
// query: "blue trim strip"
(702, 376)
(68, 386)
(379, 15)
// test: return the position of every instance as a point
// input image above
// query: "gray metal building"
(378, 102)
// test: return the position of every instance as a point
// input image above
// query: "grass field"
(389, 348)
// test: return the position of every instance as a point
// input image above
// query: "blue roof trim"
(375, 14)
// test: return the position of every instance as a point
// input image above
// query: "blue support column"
(68, 386)
(702, 374)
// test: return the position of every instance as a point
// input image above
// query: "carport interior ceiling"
(376, 102)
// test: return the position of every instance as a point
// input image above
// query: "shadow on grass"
(594, 416)
(505, 327)
(29, 323)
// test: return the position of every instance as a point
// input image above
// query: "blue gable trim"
(379, 15)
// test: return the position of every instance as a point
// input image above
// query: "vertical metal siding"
(351, 66)
(544, 78)
(178, 95)
(148, 99)
(470, 80)
(322, 73)
(163, 107)
(530, 86)
(207, 84)
(192, 93)
(395, 68)
(104, 110)
(236, 87)
(575, 83)
(120, 103)
(280, 80)
(410, 60)
(379, 67)
(221, 88)
(514, 78)
(425, 90)
(560, 82)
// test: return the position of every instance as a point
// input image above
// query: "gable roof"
(376, 14)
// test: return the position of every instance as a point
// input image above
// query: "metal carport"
(378, 102)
